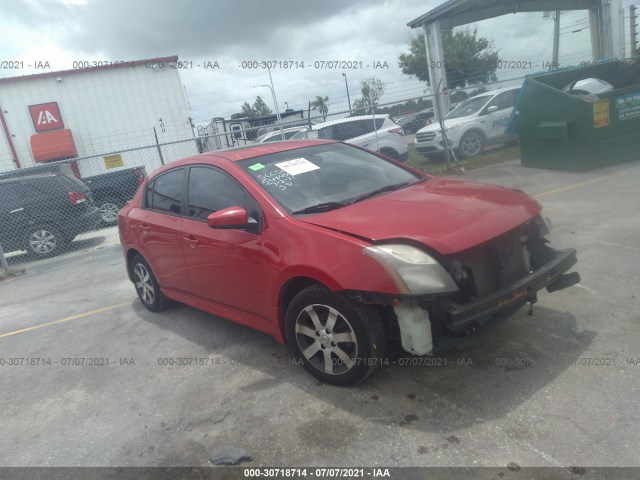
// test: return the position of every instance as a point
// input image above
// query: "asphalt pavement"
(91, 378)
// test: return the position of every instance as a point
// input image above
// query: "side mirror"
(492, 108)
(231, 218)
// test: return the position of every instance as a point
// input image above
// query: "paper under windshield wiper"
(388, 188)
(320, 207)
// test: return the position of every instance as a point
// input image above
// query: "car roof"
(347, 119)
(21, 178)
(243, 152)
(275, 132)
(495, 92)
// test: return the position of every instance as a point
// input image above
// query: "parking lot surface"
(91, 378)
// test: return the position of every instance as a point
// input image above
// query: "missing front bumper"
(460, 318)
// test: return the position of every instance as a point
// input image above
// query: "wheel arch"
(288, 291)
(132, 252)
(473, 130)
(389, 152)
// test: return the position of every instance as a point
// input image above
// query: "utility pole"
(556, 39)
(632, 29)
(347, 85)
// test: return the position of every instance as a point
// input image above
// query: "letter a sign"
(46, 116)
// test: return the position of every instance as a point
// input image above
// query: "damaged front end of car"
(449, 298)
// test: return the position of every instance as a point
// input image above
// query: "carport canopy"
(605, 18)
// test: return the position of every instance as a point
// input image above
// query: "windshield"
(330, 176)
(469, 107)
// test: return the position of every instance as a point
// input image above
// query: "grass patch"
(439, 167)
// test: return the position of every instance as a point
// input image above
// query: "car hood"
(447, 215)
(448, 123)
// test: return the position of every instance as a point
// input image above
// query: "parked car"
(384, 136)
(472, 125)
(414, 122)
(112, 190)
(276, 135)
(336, 250)
(43, 213)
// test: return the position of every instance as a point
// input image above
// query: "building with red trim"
(95, 111)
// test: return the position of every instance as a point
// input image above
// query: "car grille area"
(496, 264)
(426, 136)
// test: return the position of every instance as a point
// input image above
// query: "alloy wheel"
(471, 145)
(144, 284)
(109, 212)
(326, 339)
(42, 241)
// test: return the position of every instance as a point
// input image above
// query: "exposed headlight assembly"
(543, 224)
(413, 271)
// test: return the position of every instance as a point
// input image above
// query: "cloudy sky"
(230, 32)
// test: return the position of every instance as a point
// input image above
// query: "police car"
(473, 124)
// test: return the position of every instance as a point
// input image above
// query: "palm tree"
(320, 104)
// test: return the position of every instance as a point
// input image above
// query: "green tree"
(320, 104)
(372, 90)
(258, 109)
(469, 60)
(247, 110)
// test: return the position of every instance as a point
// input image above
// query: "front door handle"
(193, 241)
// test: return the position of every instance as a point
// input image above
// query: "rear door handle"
(144, 226)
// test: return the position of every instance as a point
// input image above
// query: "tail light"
(399, 131)
(76, 197)
(140, 175)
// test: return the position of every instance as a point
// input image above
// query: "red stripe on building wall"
(9, 141)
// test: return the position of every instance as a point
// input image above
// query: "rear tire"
(339, 341)
(147, 286)
(109, 209)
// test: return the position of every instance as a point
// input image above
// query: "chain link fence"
(73, 204)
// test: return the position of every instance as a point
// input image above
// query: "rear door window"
(164, 193)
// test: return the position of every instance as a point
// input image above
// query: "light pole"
(275, 100)
(347, 85)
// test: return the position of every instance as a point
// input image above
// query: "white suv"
(276, 135)
(473, 124)
(373, 132)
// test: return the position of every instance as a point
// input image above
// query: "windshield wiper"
(320, 207)
(387, 188)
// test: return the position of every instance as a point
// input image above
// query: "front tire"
(391, 153)
(471, 144)
(45, 241)
(147, 286)
(339, 341)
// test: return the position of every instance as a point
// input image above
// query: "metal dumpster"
(564, 125)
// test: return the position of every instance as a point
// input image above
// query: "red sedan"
(336, 251)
